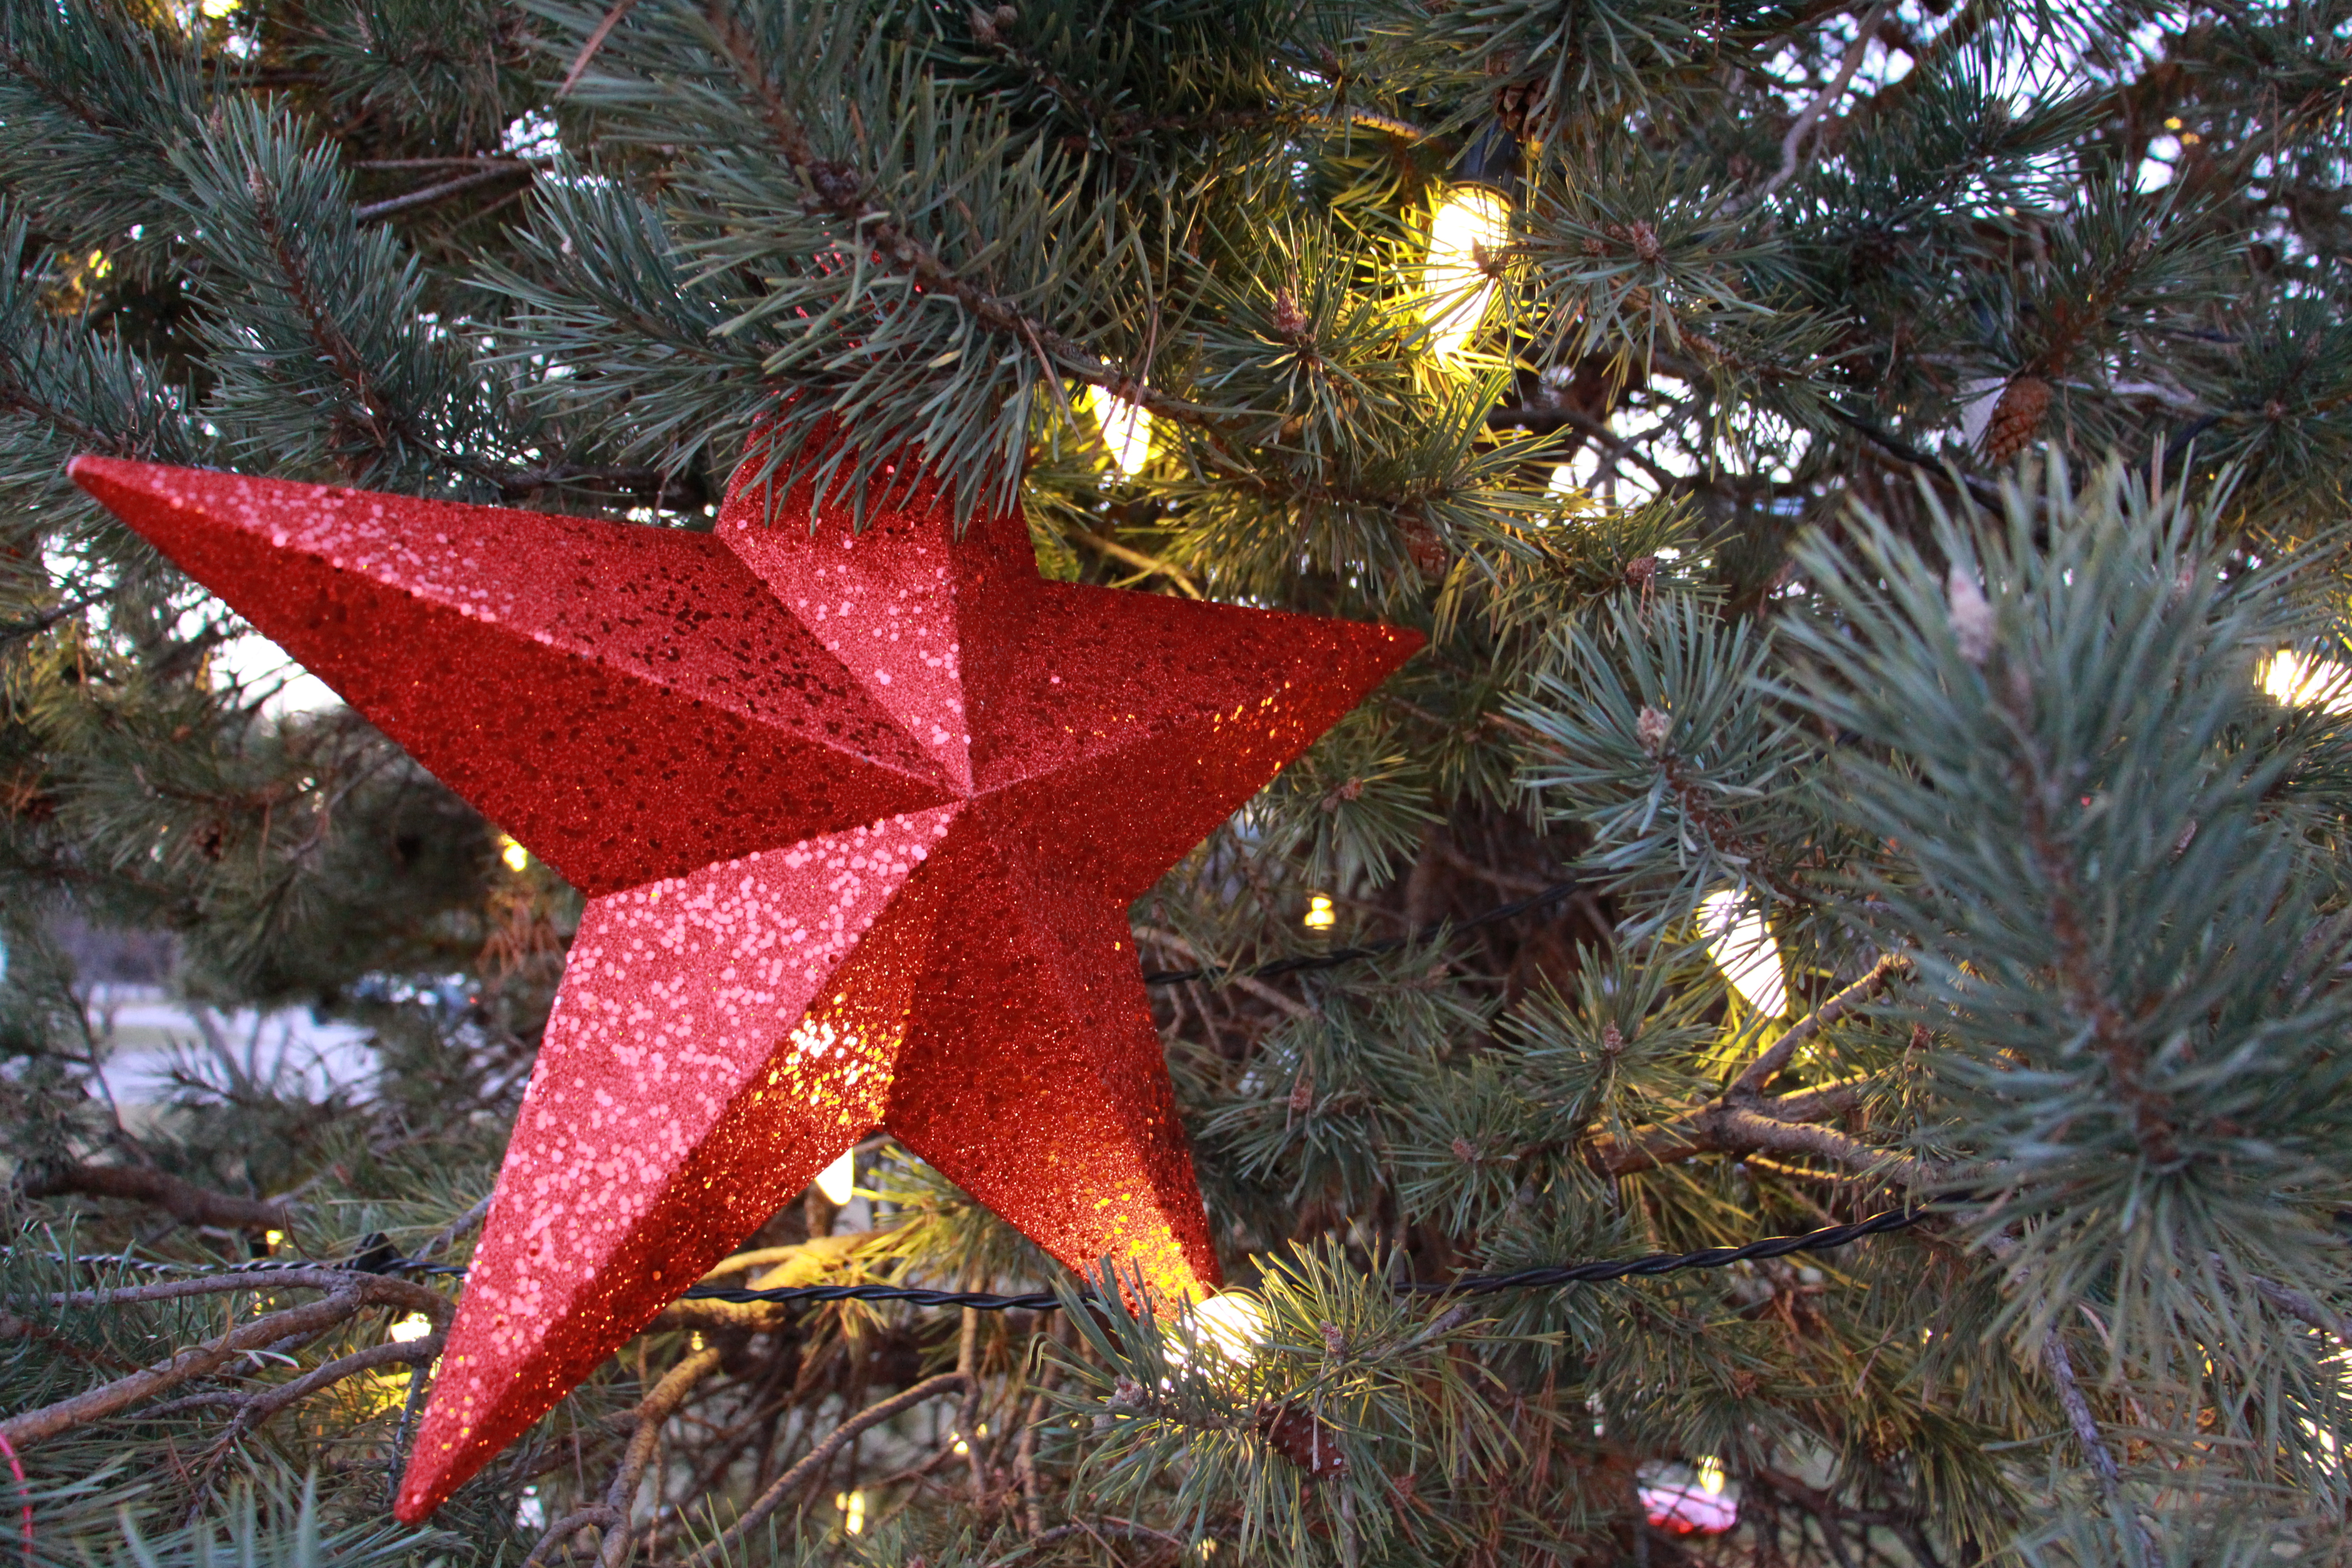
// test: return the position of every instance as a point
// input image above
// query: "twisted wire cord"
(1332, 959)
(1549, 1277)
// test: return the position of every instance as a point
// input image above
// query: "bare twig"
(48, 618)
(183, 1201)
(656, 1408)
(1792, 144)
(570, 1524)
(811, 1463)
(1771, 1127)
(380, 1289)
(463, 1225)
(1758, 1074)
(371, 211)
(2086, 1433)
(51, 1420)
(1138, 559)
(261, 1406)
(596, 42)
(2297, 1305)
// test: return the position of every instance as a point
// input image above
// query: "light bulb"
(1680, 1507)
(1710, 1475)
(1232, 1324)
(1742, 947)
(1320, 915)
(853, 1512)
(415, 1326)
(517, 858)
(1471, 224)
(838, 1181)
(1126, 429)
(273, 1239)
(2299, 680)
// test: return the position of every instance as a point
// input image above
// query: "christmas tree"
(1861, 842)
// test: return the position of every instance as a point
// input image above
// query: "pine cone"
(1303, 1439)
(2016, 419)
(1427, 548)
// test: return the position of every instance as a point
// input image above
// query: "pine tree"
(1871, 476)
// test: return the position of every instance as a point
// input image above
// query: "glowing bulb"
(1710, 1475)
(1126, 429)
(838, 1181)
(413, 1326)
(1681, 1509)
(517, 858)
(1470, 226)
(1742, 947)
(853, 1512)
(1320, 915)
(273, 1239)
(1232, 1323)
(2299, 680)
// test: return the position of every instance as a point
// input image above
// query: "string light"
(838, 1181)
(1742, 947)
(517, 858)
(1470, 227)
(2299, 680)
(1467, 234)
(1320, 915)
(410, 1329)
(1696, 1507)
(853, 1512)
(1126, 429)
(1232, 1324)
(273, 1239)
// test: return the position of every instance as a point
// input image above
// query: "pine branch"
(837, 188)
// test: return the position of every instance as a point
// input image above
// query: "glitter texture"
(860, 815)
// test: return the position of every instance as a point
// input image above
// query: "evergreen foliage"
(1897, 442)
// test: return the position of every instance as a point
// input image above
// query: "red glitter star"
(859, 816)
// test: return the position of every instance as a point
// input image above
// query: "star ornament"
(859, 816)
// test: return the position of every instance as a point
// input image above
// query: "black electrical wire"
(381, 1260)
(1338, 956)
(1549, 1277)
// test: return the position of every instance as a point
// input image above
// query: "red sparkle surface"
(859, 816)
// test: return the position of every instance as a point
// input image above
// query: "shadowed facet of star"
(859, 816)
